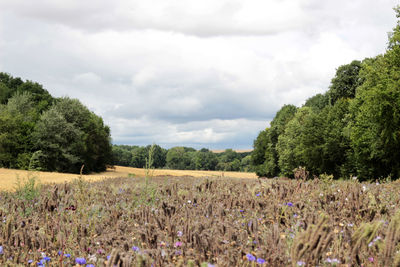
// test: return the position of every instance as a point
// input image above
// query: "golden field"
(8, 177)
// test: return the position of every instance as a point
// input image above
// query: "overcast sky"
(200, 73)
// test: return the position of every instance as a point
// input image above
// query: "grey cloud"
(170, 86)
(201, 18)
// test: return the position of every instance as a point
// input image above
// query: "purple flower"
(180, 233)
(47, 258)
(371, 259)
(178, 252)
(30, 261)
(334, 261)
(210, 265)
(67, 255)
(290, 204)
(136, 249)
(250, 257)
(60, 252)
(178, 244)
(241, 210)
(90, 265)
(41, 262)
(108, 257)
(260, 261)
(1, 250)
(301, 263)
(80, 261)
(258, 194)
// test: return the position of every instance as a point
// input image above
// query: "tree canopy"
(351, 130)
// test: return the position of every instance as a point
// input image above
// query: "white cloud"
(207, 73)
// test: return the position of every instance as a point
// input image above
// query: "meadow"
(9, 177)
(201, 221)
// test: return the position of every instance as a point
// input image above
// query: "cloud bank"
(197, 73)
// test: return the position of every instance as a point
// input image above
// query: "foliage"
(40, 132)
(352, 129)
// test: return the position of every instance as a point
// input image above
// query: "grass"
(191, 221)
(8, 176)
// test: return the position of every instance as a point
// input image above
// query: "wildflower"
(178, 244)
(179, 233)
(60, 252)
(80, 261)
(258, 194)
(241, 210)
(108, 257)
(210, 265)
(260, 261)
(371, 259)
(136, 249)
(250, 257)
(30, 261)
(1, 250)
(47, 258)
(295, 215)
(90, 265)
(333, 261)
(67, 255)
(301, 263)
(290, 204)
(178, 252)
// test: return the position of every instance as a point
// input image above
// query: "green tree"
(159, 156)
(204, 159)
(317, 102)
(177, 158)
(69, 136)
(16, 126)
(345, 82)
(121, 156)
(60, 141)
(289, 146)
(139, 155)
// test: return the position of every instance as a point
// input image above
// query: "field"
(8, 177)
(193, 221)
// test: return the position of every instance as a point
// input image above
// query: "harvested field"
(8, 177)
(187, 221)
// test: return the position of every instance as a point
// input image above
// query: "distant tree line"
(39, 132)
(351, 130)
(182, 158)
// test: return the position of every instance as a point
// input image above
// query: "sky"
(188, 73)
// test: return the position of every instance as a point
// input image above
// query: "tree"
(17, 120)
(289, 148)
(69, 136)
(139, 156)
(159, 156)
(345, 82)
(121, 156)
(60, 142)
(177, 158)
(317, 102)
(264, 156)
(205, 160)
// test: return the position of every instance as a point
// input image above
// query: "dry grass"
(187, 221)
(8, 177)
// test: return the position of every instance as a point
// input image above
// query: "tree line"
(181, 158)
(40, 132)
(353, 129)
